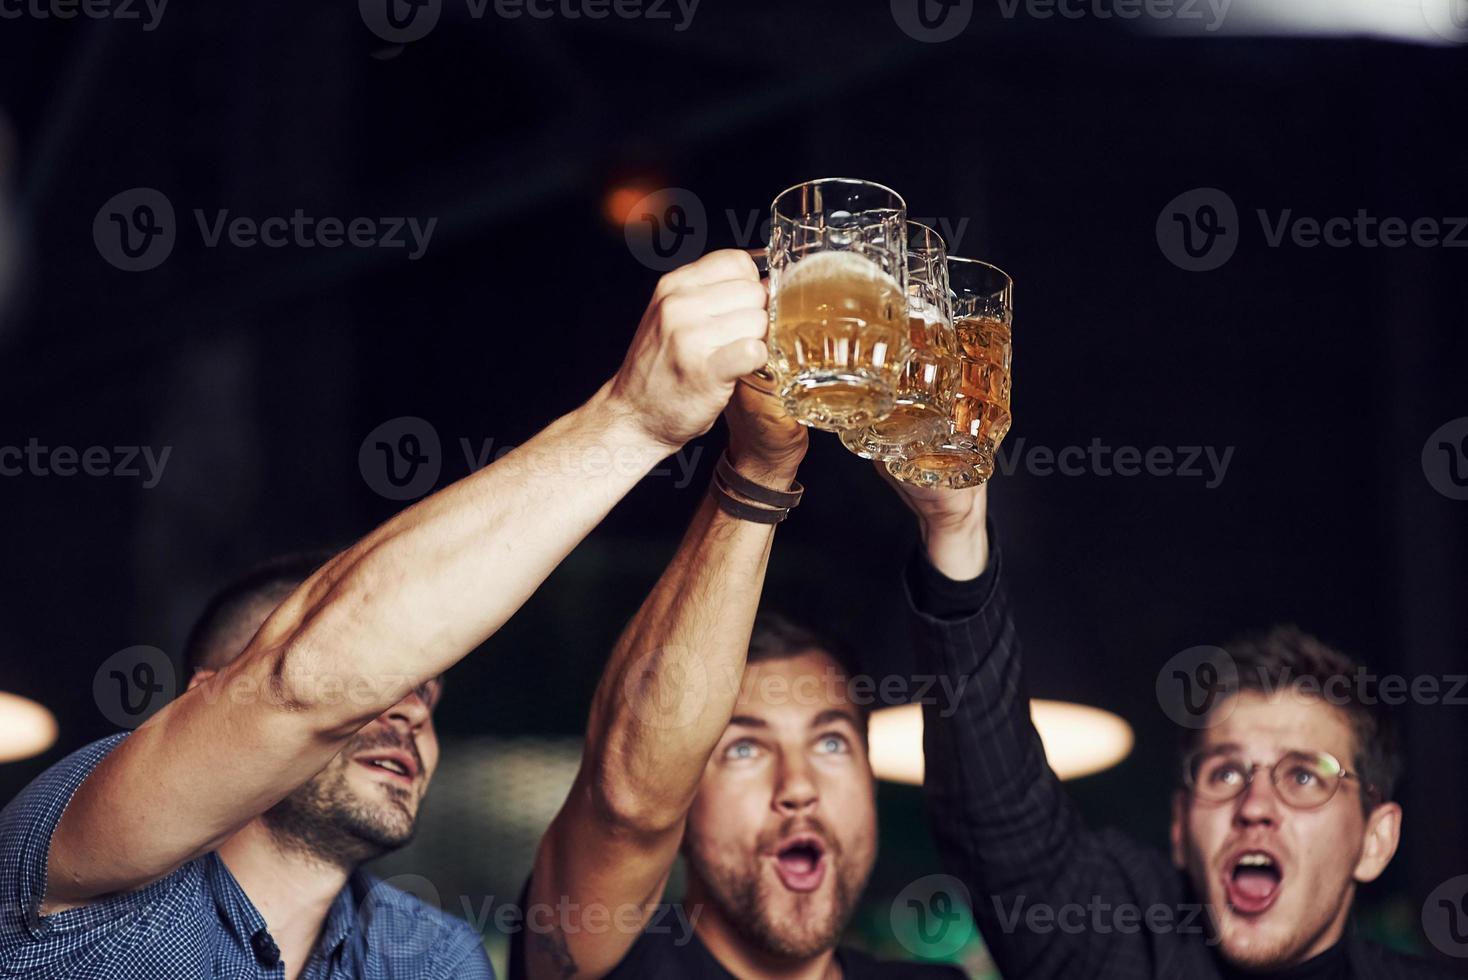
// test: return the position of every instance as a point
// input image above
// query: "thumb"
(732, 361)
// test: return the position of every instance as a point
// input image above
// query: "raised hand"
(952, 525)
(704, 328)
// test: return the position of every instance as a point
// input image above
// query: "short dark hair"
(1287, 656)
(270, 581)
(776, 637)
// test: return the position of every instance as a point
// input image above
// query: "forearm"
(663, 702)
(673, 679)
(411, 598)
(1002, 821)
(386, 615)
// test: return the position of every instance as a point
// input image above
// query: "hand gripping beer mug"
(924, 399)
(838, 302)
(983, 313)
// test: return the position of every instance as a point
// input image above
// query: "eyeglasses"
(1304, 780)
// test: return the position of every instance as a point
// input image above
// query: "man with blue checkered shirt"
(222, 837)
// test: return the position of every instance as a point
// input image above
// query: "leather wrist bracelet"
(737, 508)
(745, 487)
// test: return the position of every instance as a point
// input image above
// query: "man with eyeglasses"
(1284, 805)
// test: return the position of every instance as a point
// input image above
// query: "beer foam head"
(835, 265)
(924, 310)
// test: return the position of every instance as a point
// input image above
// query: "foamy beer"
(983, 314)
(838, 303)
(924, 399)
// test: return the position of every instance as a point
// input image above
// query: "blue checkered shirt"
(198, 922)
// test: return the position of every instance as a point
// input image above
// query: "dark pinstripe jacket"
(1052, 898)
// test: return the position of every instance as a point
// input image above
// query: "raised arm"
(406, 602)
(1004, 824)
(663, 702)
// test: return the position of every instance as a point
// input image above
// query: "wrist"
(957, 548)
(776, 474)
(625, 426)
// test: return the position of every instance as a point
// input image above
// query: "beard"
(784, 924)
(1287, 945)
(327, 819)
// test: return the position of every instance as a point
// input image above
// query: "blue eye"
(743, 749)
(834, 743)
(1302, 777)
(1227, 773)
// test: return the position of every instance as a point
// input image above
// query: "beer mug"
(983, 314)
(924, 399)
(838, 301)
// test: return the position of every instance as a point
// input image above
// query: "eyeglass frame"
(1342, 774)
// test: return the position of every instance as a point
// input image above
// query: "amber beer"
(838, 336)
(921, 407)
(981, 401)
(983, 317)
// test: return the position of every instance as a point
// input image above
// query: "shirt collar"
(235, 908)
(245, 921)
(342, 917)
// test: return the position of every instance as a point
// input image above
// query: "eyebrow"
(1223, 747)
(1284, 750)
(749, 721)
(833, 715)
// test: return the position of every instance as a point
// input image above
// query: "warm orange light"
(26, 728)
(1078, 739)
(621, 200)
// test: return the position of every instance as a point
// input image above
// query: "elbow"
(627, 809)
(301, 685)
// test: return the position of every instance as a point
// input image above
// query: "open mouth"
(800, 863)
(394, 766)
(1252, 882)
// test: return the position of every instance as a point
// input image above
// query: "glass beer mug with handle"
(838, 301)
(983, 314)
(924, 399)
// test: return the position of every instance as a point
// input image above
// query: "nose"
(1260, 802)
(795, 792)
(411, 713)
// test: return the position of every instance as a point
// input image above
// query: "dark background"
(1054, 145)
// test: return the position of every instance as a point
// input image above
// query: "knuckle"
(677, 308)
(667, 284)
